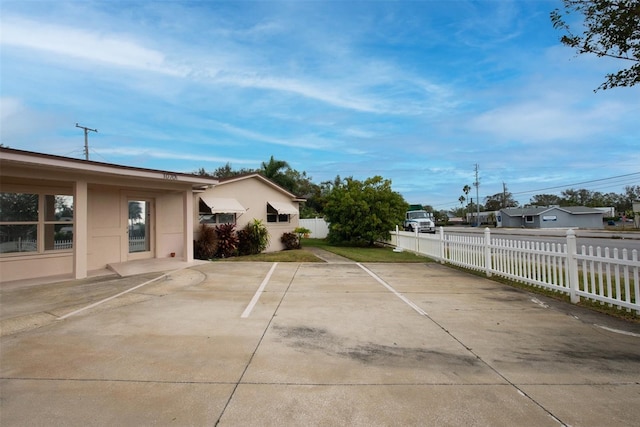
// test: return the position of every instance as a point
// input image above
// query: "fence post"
(441, 245)
(417, 244)
(487, 251)
(572, 266)
(396, 238)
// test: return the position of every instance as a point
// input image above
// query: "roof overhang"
(41, 161)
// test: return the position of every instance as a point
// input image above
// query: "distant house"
(550, 217)
(241, 199)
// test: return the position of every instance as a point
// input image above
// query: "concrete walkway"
(289, 344)
(326, 256)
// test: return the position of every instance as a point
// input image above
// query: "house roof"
(262, 178)
(540, 210)
(11, 156)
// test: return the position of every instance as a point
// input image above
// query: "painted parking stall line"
(95, 304)
(396, 293)
(256, 297)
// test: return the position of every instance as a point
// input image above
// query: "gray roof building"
(551, 217)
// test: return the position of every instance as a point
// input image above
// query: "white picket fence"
(610, 276)
(137, 244)
(31, 245)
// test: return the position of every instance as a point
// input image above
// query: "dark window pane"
(226, 218)
(18, 207)
(18, 238)
(207, 219)
(58, 236)
(58, 208)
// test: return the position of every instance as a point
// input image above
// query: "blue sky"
(418, 92)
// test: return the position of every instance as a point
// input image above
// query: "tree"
(461, 199)
(135, 212)
(274, 171)
(441, 217)
(631, 194)
(545, 200)
(361, 213)
(611, 29)
(499, 201)
(581, 197)
(466, 189)
(225, 171)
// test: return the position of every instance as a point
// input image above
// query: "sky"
(419, 92)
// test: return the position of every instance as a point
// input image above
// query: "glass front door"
(140, 226)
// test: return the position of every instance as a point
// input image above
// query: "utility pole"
(504, 195)
(86, 139)
(477, 185)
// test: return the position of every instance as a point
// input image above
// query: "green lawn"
(366, 254)
(369, 254)
(296, 255)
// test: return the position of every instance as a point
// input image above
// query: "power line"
(566, 186)
(577, 183)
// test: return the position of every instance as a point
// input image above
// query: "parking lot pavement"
(318, 344)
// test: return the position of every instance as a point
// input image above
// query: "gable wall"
(253, 194)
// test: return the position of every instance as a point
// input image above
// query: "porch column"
(187, 203)
(81, 231)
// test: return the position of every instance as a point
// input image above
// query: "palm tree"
(135, 212)
(272, 169)
(466, 189)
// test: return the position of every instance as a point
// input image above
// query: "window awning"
(222, 205)
(284, 208)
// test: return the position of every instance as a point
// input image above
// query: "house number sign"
(170, 176)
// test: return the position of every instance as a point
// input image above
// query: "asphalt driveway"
(269, 344)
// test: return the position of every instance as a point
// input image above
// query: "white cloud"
(529, 122)
(9, 107)
(301, 141)
(18, 121)
(172, 155)
(109, 49)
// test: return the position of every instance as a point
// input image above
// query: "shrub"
(290, 241)
(244, 245)
(302, 232)
(254, 238)
(227, 240)
(207, 244)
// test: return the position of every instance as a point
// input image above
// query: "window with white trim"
(528, 218)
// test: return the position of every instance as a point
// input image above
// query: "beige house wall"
(105, 189)
(253, 193)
